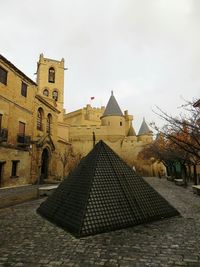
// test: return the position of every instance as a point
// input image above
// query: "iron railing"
(23, 139)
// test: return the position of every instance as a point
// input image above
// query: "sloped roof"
(17, 70)
(103, 194)
(112, 108)
(144, 129)
(131, 131)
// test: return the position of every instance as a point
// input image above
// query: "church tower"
(50, 80)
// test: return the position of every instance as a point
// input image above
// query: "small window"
(3, 76)
(24, 89)
(39, 119)
(46, 92)
(15, 164)
(55, 95)
(51, 75)
(49, 121)
(22, 126)
(120, 123)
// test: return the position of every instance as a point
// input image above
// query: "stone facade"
(115, 128)
(36, 134)
(30, 126)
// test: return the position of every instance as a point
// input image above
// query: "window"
(22, 128)
(39, 119)
(55, 95)
(14, 168)
(120, 123)
(24, 89)
(51, 75)
(1, 117)
(46, 92)
(3, 76)
(49, 121)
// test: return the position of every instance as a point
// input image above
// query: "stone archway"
(44, 165)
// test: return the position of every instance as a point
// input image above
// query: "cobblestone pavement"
(26, 239)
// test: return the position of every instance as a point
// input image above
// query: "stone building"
(30, 124)
(36, 133)
(110, 124)
(17, 92)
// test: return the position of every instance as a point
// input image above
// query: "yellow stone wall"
(113, 131)
(7, 155)
(86, 116)
(128, 121)
(15, 108)
(72, 130)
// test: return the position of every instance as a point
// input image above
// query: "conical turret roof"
(144, 129)
(103, 194)
(112, 108)
(131, 131)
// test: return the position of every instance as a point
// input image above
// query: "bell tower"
(50, 80)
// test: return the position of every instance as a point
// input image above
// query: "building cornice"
(17, 105)
(17, 70)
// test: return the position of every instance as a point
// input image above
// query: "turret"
(145, 134)
(113, 118)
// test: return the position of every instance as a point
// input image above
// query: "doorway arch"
(44, 165)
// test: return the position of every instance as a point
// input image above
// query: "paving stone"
(29, 240)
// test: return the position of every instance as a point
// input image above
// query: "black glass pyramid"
(103, 194)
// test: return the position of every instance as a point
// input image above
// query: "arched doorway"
(44, 165)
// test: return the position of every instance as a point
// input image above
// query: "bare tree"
(184, 133)
(69, 159)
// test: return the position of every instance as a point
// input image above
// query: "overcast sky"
(146, 51)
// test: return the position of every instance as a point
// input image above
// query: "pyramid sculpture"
(103, 194)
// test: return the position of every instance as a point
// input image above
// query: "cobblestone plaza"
(26, 239)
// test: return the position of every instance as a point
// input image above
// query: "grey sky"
(146, 51)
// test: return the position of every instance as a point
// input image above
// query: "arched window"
(49, 122)
(39, 119)
(51, 75)
(55, 95)
(46, 92)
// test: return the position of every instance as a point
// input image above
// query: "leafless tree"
(69, 159)
(183, 132)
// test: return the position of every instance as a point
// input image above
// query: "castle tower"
(113, 118)
(145, 134)
(50, 80)
(131, 131)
